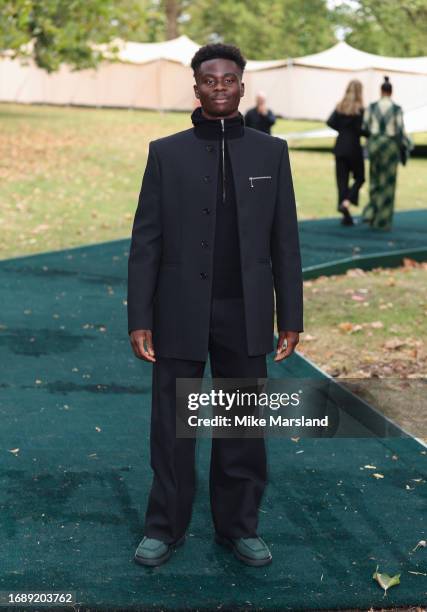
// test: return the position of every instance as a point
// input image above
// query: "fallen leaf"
(40, 228)
(355, 272)
(421, 543)
(394, 344)
(345, 326)
(349, 327)
(385, 581)
(410, 263)
(308, 338)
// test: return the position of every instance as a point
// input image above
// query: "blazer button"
(204, 244)
(203, 275)
(206, 211)
(207, 178)
(209, 148)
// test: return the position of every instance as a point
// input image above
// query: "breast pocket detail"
(258, 178)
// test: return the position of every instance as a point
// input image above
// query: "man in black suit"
(214, 232)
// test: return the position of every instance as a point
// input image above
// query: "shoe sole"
(163, 558)
(247, 560)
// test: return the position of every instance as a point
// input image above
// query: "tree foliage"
(386, 27)
(264, 29)
(64, 31)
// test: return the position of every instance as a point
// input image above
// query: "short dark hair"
(386, 87)
(217, 50)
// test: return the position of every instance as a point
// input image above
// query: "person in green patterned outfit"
(383, 123)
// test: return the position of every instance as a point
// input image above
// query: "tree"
(385, 27)
(172, 10)
(263, 29)
(63, 31)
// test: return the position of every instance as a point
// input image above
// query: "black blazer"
(170, 271)
(349, 128)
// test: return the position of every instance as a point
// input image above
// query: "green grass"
(337, 303)
(71, 176)
(361, 325)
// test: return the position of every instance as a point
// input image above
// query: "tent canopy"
(179, 49)
(344, 57)
(339, 57)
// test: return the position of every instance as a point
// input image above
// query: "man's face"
(219, 87)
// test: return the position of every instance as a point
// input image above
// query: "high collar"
(212, 129)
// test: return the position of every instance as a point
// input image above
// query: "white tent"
(179, 49)
(308, 87)
(158, 76)
(344, 57)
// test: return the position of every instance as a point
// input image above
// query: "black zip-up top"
(227, 278)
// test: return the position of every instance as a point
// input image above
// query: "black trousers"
(344, 166)
(238, 467)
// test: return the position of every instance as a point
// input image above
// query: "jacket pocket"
(254, 179)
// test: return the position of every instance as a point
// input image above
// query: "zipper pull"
(250, 178)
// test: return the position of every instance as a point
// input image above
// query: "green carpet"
(324, 241)
(72, 498)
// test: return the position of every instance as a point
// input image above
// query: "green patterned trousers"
(384, 158)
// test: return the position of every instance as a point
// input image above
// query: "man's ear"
(196, 91)
(242, 89)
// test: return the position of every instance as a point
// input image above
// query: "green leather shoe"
(252, 551)
(153, 552)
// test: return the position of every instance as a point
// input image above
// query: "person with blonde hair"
(346, 119)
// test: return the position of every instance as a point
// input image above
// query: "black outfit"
(171, 260)
(227, 276)
(260, 122)
(200, 277)
(238, 467)
(348, 155)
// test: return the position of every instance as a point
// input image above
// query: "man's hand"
(286, 349)
(142, 344)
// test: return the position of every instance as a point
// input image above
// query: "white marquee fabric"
(344, 57)
(158, 76)
(179, 49)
